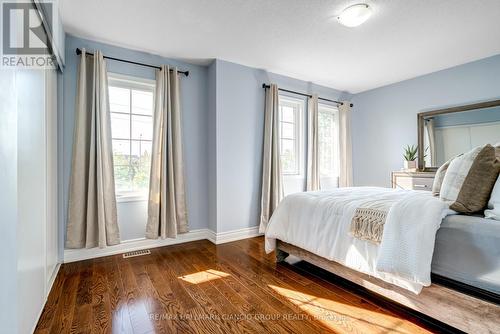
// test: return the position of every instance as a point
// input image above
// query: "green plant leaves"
(410, 152)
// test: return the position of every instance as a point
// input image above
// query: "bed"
(315, 226)
(467, 250)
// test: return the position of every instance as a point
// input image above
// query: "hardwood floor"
(198, 287)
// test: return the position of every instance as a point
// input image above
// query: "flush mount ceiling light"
(355, 15)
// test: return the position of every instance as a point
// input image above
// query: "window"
(290, 140)
(328, 141)
(131, 107)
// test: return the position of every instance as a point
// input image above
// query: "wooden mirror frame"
(423, 115)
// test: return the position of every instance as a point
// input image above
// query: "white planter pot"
(410, 165)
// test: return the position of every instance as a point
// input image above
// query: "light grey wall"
(239, 138)
(385, 119)
(194, 97)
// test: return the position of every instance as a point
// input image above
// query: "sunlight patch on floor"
(339, 315)
(203, 276)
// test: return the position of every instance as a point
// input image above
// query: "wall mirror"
(445, 133)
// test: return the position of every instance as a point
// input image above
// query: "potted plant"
(410, 157)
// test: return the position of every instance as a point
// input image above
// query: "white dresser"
(413, 180)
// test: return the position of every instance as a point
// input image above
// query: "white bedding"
(319, 222)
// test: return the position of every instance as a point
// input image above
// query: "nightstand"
(413, 180)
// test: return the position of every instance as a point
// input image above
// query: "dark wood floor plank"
(199, 287)
(139, 316)
(82, 321)
(101, 308)
(147, 291)
(120, 323)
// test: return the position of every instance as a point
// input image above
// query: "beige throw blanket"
(368, 221)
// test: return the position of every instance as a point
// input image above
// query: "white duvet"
(319, 222)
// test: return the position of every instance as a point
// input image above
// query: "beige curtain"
(345, 146)
(272, 183)
(429, 124)
(167, 210)
(92, 204)
(313, 178)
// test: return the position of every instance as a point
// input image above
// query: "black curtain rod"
(304, 94)
(79, 51)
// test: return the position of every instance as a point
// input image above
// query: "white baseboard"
(72, 255)
(234, 235)
(47, 292)
(52, 279)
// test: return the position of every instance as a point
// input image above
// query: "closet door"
(31, 197)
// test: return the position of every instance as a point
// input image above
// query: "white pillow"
(493, 211)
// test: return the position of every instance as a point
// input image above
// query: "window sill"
(293, 176)
(133, 197)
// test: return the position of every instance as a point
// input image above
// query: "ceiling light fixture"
(355, 15)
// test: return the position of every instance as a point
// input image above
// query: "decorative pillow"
(493, 211)
(439, 177)
(470, 178)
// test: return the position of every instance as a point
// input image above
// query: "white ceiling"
(299, 38)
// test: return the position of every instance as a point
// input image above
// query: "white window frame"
(328, 108)
(299, 137)
(135, 83)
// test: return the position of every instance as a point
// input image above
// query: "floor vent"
(137, 253)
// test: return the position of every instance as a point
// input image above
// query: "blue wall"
(385, 119)
(239, 126)
(194, 97)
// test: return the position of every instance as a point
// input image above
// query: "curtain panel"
(345, 146)
(167, 209)
(429, 124)
(272, 182)
(92, 219)
(313, 176)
